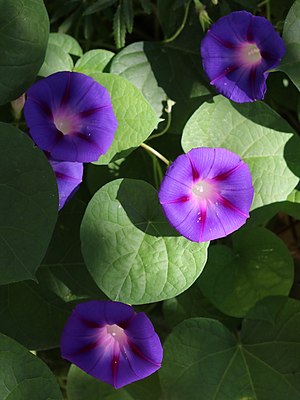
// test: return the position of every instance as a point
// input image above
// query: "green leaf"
(258, 265)
(71, 19)
(129, 248)
(294, 197)
(192, 303)
(81, 386)
(262, 215)
(56, 60)
(93, 61)
(23, 375)
(98, 6)
(23, 41)
(66, 42)
(282, 92)
(32, 315)
(154, 67)
(35, 314)
(64, 9)
(136, 118)
(280, 10)
(291, 36)
(119, 28)
(70, 282)
(138, 165)
(263, 364)
(63, 270)
(133, 64)
(64, 248)
(170, 14)
(28, 205)
(127, 9)
(257, 134)
(146, 6)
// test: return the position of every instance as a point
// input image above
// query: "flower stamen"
(250, 54)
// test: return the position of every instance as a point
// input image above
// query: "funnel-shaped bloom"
(68, 178)
(237, 53)
(70, 116)
(207, 193)
(109, 341)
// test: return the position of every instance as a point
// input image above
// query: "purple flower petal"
(68, 178)
(70, 116)
(237, 53)
(207, 193)
(109, 341)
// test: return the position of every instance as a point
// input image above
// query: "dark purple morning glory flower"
(70, 116)
(112, 343)
(68, 178)
(237, 53)
(207, 193)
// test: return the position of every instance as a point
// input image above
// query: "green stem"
(268, 10)
(155, 175)
(159, 171)
(156, 153)
(180, 29)
(262, 3)
(165, 130)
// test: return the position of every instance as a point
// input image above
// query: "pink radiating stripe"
(225, 175)
(43, 106)
(250, 30)
(125, 324)
(196, 174)
(66, 94)
(228, 204)
(87, 323)
(203, 219)
(88, 347)
(182, 199)
(223, 42)
(225, 73)
(138, 352)
(253, 80)
(115, 363)
(88, 113)
(63, 176)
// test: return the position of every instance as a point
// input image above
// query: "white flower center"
(202, 190)
(116, 332)
(250, 54)
(63, 124)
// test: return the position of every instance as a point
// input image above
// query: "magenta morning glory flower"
(237, 53)
(112, 343)
(207, 193)
(70, 116)
(68, 178)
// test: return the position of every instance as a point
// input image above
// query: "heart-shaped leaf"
(257, 134)
(28, 205)
(129, 248)
(23, 375)
(262, 364)
(291, 36)
(136, 118)
(81, 386)
(258, 265)
(23, 42)
(93, 61)
(66, 42)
